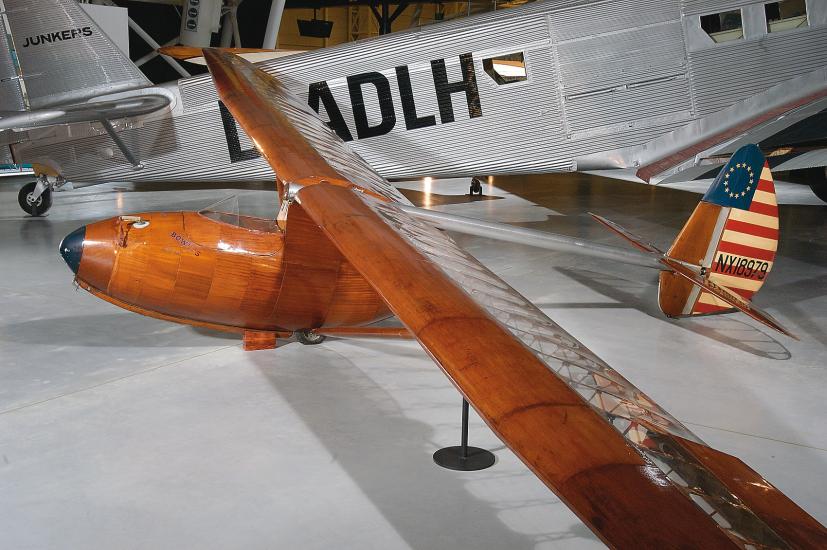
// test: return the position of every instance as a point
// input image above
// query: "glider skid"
(255, 340)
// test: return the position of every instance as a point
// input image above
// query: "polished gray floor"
(118, 431)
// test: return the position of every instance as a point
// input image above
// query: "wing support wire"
(599, 443)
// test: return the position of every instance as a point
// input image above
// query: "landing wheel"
(32, 206)
(476, 187)
(817, 180)
(309, 338)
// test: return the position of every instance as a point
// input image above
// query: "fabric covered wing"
(634, 474)
(624, 465)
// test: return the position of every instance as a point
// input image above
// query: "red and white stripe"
(746, 250)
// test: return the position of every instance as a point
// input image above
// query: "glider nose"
(71, 248)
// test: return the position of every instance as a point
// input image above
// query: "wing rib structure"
(629, 470)
(574, 451)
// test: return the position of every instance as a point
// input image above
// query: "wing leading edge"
(633, 473)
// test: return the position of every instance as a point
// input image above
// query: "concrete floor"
(119, 431)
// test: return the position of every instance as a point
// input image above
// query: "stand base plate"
(477, 459)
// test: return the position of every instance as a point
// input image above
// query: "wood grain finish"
(690, 246)
(256, 340)
(190, 268)
(584, 460)
(280, 143)
(798, 528)
(367, 332)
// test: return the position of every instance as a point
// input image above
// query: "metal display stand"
(463, 457)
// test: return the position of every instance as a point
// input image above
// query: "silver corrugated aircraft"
(665, 88)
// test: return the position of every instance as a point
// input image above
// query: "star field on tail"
(735, 185)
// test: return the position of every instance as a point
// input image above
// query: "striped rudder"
(732, 235)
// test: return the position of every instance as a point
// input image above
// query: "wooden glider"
(632, 473)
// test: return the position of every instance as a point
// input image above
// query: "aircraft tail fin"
(59, 55)
(11, 93)
(723, 254)
(732, 235)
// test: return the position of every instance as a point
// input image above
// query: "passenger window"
(505, 69)
(786, 15)
(724, 26)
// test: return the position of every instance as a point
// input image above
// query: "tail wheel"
(309, 338)
(476, 187)
(816, 178)
(32, 206)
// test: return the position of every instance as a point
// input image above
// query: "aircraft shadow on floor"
(388, 455)
(726, 329)
(435, 199)
(108, 330)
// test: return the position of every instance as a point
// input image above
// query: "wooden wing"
(633, 473)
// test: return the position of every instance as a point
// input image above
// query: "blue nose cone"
(71, 248)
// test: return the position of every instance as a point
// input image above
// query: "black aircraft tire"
(817, 180)
(476, 187)
(38, 207)
(309, 338)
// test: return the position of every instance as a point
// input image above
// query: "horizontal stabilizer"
(718, 287)
(725, 295)
(636, 241)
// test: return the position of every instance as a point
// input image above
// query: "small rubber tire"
(309, 338)
(34, 208)
(476, 187)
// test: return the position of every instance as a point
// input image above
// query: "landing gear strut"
(476, 187)
(36, 197)
(34, 204)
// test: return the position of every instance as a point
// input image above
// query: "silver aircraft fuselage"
(601, 76)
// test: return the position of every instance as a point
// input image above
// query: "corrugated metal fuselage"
(602, 75)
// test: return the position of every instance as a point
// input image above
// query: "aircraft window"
(505, 69)
(785, 15)
(724, 26)
(249, 213)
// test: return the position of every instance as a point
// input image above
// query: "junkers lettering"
(359, 85)
(57, 36)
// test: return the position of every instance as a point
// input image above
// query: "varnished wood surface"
(189, 268)
(574, 451)
(319, 288)
(256, 340)
(367, 332)
(251, 102)
(798, 528)
(690, 246)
